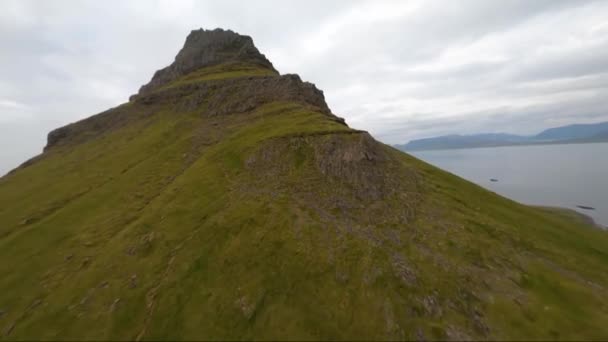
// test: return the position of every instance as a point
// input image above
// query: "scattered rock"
(86, 262)
(372, 274)
(431, 307)
(402, 270)
(392, 328)
(420, 335)
(246, 307)
(9, 329)
(142, 246)
(147, 239)
(479, 323)
(114, 304)
(454, 334)
(341, 276)
(35, 304)
(27, 221)
(133, 281)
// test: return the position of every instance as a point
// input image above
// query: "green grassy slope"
(279, 223)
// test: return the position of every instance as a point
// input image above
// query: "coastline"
(571, 214)
(529, 176)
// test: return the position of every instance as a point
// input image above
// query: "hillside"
(225, 201)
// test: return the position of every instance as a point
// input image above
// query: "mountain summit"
(225, 201)
(204, 48)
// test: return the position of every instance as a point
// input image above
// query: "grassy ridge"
(221, 72)
(182, 226)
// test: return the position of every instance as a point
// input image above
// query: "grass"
(221, 72)
(280, 224)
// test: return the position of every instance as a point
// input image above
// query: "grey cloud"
(580, 63)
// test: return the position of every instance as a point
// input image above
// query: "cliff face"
(227, 202)
(204, 48)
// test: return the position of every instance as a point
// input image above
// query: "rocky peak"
(205, 48)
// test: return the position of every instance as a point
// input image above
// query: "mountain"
(464, 141)
(225, 201)
(601, 136)
(571, 132)
(579, 133)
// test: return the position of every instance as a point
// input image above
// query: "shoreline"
(572, 214)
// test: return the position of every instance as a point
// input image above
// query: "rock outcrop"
(239, 95)
(205, 48)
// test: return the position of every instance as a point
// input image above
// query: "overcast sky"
(401, 70)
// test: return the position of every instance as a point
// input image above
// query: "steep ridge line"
(209, 98)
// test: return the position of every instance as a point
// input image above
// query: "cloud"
(8, 104)
(400, 69)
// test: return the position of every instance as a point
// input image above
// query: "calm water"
(551, 175)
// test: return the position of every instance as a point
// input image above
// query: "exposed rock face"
(205, 48)
(239, 95)
(350, 157)
(88, 128)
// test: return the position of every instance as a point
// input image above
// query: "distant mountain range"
(577, 133)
